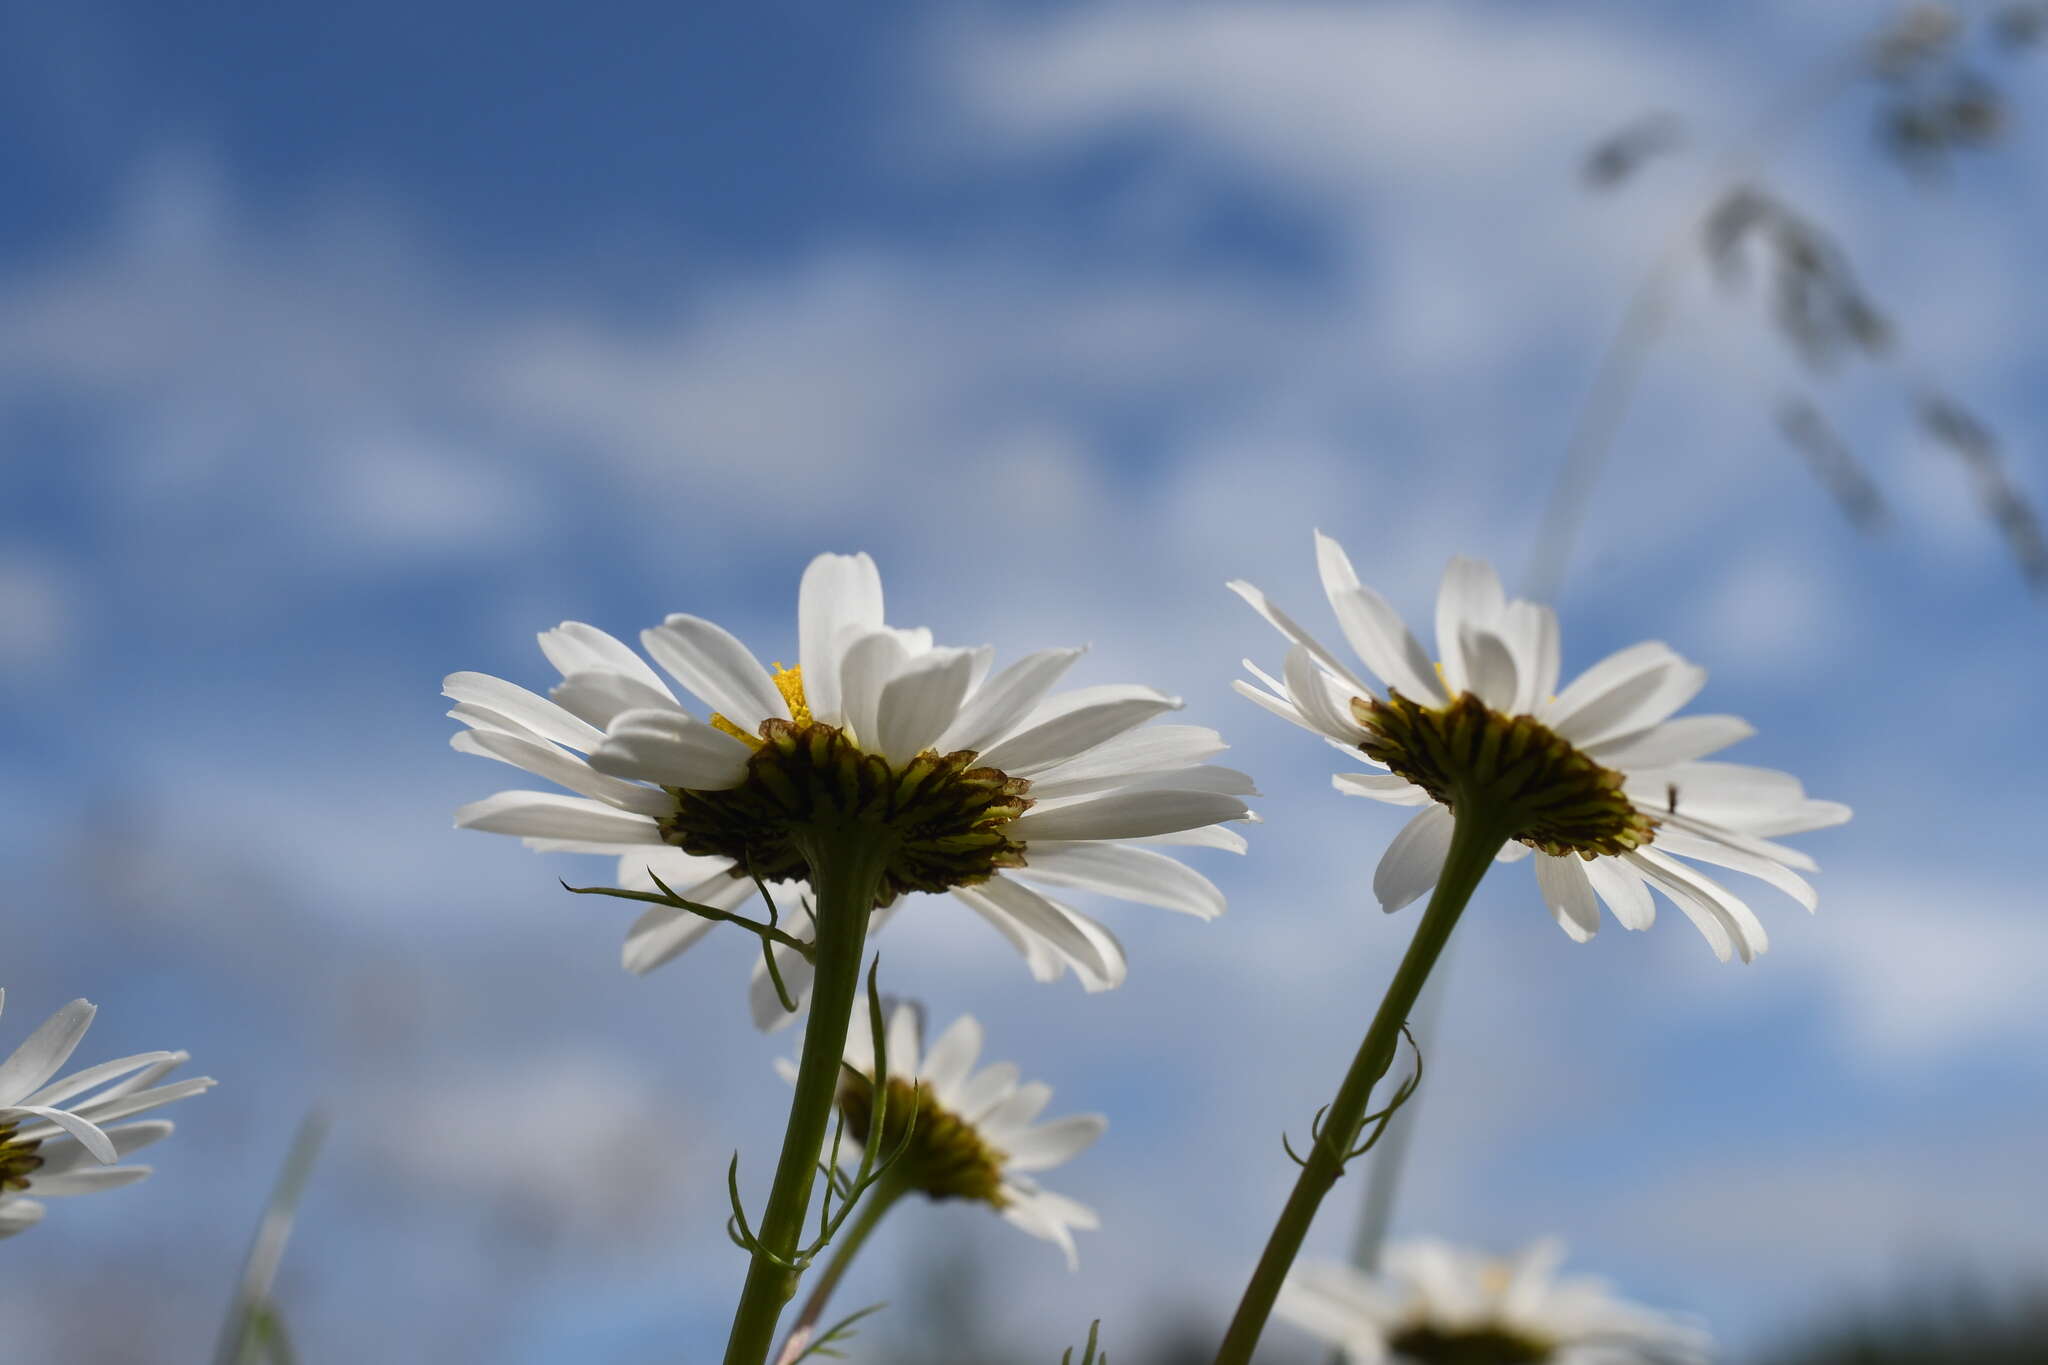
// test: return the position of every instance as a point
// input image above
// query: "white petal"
(535, 712)
(1062, 737)
(1689, 845)
(1133, 874)
(484, 718)
(673, 749)
(766, 1006)
(1025, 1213)
(1568, 894)
(550, 815)
(1721, 932)
(1128, 815)
(64, 1152)
(1053, 1144)
(1470, 595)
(952, 1056)
(1622, 888)
(1490, 669)
(1604, 676)
(839, 601)
(1014, 1115)
(1731, 794)
(870, 662)
(1799, 818)
(78, 1082)
(89, 1180)
(32, 1064)
(904, 1034)
(664, 931)
(1285, 624)
(19, 1215)
(119, 1102)
(711, 662)
(564, 769)
(1673, 741)
(89, 1136)
(921, 701)
(1208, 836)
(1043, 963)
(1153, 748)
(1391, 788)
(986, 1089)
(1090, 949)
(1414, 860)
(574, 648)
(1531, 634)
(1326, 704)
(1376, 631)
(1002, 702)
(1279, 706)
(691, 876)
(601, 698)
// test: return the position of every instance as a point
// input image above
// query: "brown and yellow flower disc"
(946, 1158)
(1556, 798)
(942, 817)
(18, 1159)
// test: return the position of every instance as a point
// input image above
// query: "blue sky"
(341, 349)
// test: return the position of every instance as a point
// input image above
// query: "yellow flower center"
(946, 1158)
(790, 683)
(1557, 800)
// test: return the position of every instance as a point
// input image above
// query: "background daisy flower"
(1438, 1304)
(1612, 794)
(976, 1134)
(49, 1128)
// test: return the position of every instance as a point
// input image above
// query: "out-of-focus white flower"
(975, 1135)
(1437, 1304)
(993, 789)
(1607, 790)
(49, 1127)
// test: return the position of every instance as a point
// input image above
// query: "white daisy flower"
(974, 1136)
(992, 789)
(1437, 1304)
(47, 1130)
(1605, 788)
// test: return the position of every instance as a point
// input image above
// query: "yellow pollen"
(790, 683)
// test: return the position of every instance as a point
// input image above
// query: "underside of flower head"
(1426, 1343)
(1546, 793)
(941, 1155)
(943, 819)
(1598, 779)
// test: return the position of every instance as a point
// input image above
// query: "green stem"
(1475, 838)
(846, 869)
(879, 1201)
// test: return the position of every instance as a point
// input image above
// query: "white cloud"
(38, 616)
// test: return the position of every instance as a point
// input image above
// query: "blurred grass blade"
(253, 1333)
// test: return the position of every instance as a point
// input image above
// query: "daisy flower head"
(1438, 1304)
(50, 1127)
(977, 782)
(1596, 781)
(971, 1134)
